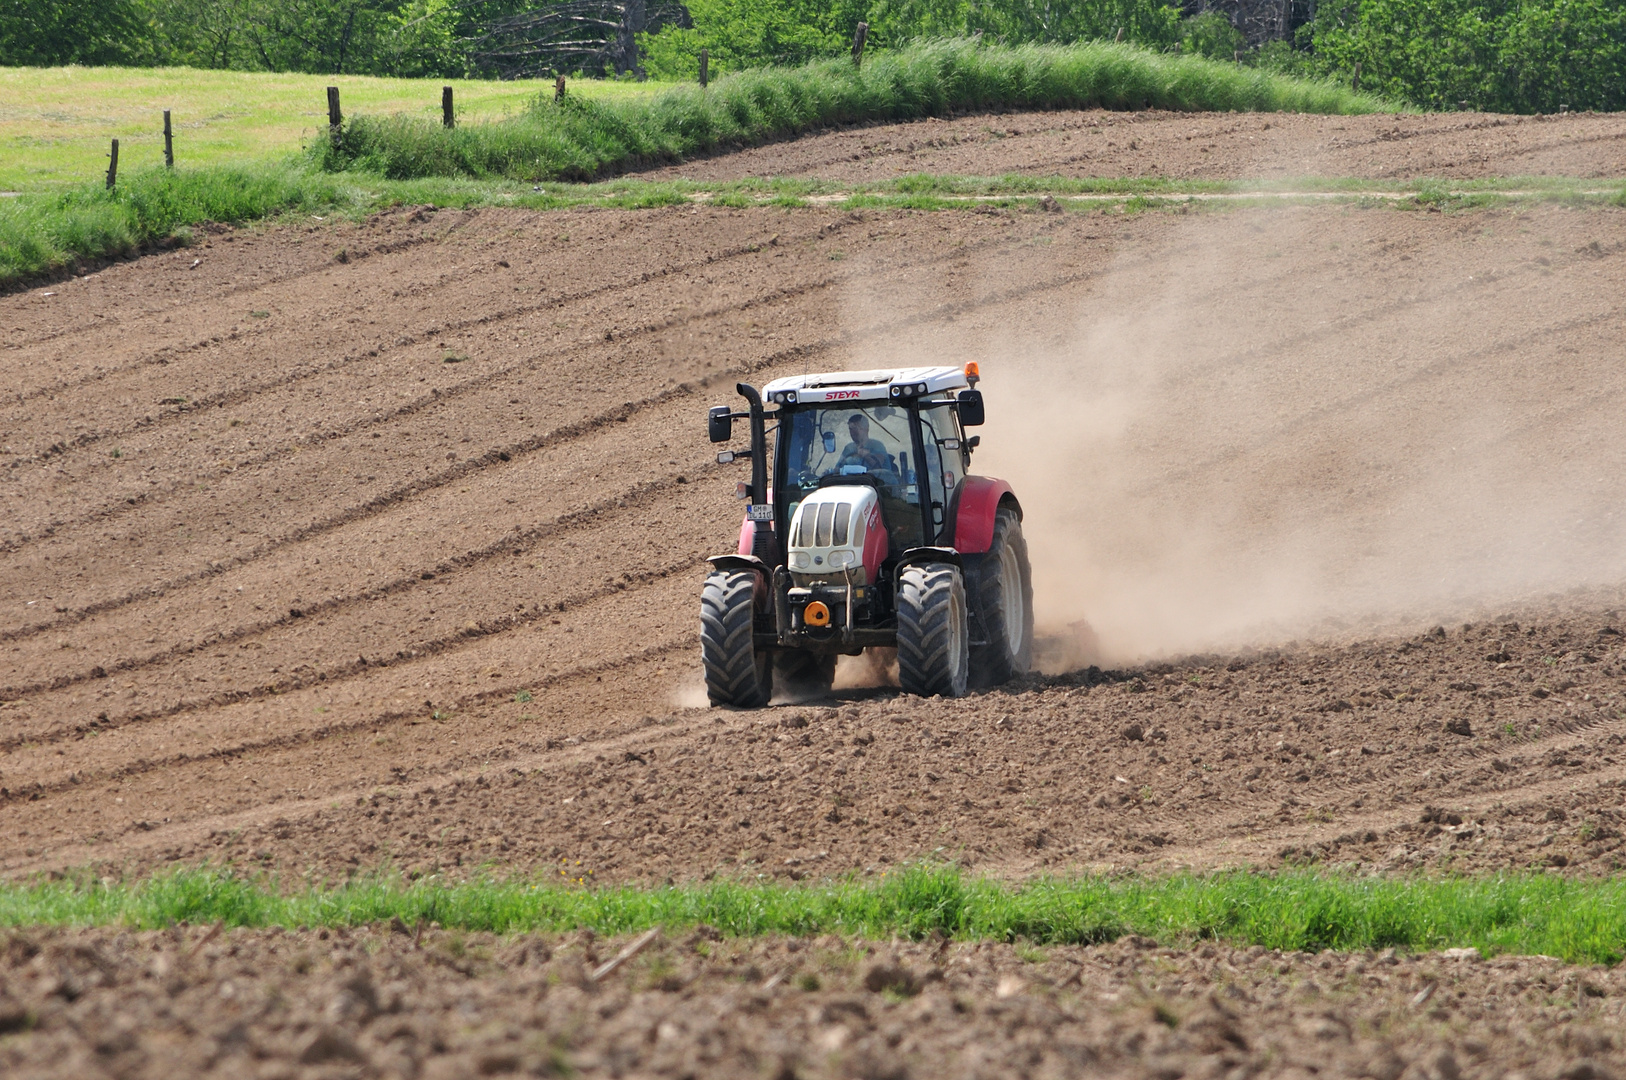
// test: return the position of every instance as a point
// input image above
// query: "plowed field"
(334, 547)
(1217, 146)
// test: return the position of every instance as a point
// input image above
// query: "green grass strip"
(582, 139)
(1581, 921)
(40, 233)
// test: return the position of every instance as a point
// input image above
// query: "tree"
(592, 36)
(38, 33)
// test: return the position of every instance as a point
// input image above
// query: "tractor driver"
(863, 450)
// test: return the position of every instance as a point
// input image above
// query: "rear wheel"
(933, 655)
(1002, 596)
(737, 672)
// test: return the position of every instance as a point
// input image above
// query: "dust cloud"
(1261, 425)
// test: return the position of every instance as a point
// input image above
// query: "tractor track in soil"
(343, 605)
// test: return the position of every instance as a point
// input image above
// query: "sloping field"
(333, 547)
(1208, 146)
(288, 535)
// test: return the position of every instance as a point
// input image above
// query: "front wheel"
(933, 656)
(1002, 596)
(737, 672)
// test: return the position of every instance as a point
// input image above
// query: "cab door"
(940, 442)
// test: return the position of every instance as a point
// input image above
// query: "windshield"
(850, 445)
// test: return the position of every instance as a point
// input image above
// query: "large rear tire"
(804, 674)
(1002, 597)
(933, 649)
(737, 672)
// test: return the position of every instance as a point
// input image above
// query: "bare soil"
(104, 1003)
(314, 563)
(334, 547)
(1213, 146)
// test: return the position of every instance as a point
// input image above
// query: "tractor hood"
(837, 532)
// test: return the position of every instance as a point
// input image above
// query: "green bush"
(580, 140)
(739, 34)
(42, 233)
(1212, 35)
(51, 32)
(1523, 56)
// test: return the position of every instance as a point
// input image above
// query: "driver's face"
(858, 428)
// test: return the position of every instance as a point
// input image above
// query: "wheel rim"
(956, 622)
(1010, 599)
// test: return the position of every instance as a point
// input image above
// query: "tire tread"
(735, 674)
(926, 662)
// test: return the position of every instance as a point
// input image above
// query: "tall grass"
(41, 233)
(1580, 921)
(580, 139)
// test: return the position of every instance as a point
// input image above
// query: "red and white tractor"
(871, 534)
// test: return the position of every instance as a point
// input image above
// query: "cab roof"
(864, 385)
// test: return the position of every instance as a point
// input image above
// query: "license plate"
(761, 512)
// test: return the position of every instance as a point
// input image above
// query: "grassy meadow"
(55, 123)
(251, 146)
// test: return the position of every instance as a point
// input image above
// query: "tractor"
(871, 534)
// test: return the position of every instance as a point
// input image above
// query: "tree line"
(1497, 55)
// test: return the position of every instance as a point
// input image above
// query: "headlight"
(798, 560)
(840, 559)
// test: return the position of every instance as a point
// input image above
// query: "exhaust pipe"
(763, 547)
(847, 631)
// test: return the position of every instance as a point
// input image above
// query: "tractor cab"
(860, 487)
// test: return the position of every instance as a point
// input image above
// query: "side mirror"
(720, 423)
(970, 408)
(829, 442)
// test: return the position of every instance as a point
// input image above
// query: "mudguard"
(748, 538)
(976, 501)
(930, 555)
(764, 595)
(739, 562)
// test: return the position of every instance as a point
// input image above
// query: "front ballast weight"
(865, 529)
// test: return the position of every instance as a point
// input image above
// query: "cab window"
(945, 463)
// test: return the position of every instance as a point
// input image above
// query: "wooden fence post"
(1355, 83)
(446, 106)
(334, 117)
(705, 63)
(169, 143)
(113, 166)
(858, 43)
(559, 89)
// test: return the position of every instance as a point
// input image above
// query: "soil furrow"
(107, 282)
(454, 327)
(1306, 343)
(381, 629)
(419, 412)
